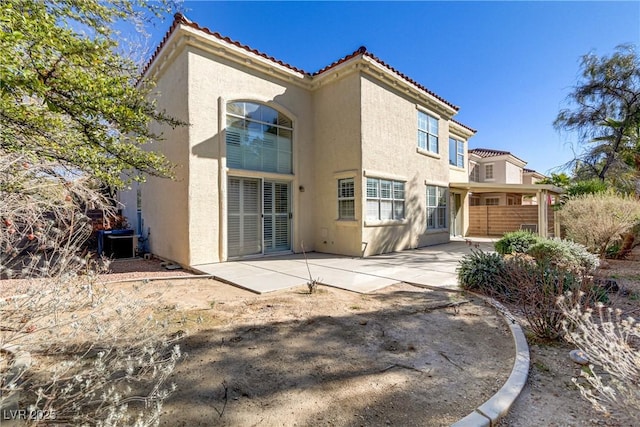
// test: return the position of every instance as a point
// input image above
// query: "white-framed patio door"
(277, 216)
(258, 216)
(455, 224)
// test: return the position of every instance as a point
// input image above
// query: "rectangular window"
(474, 175)
(437, 207)
(456, 153)
(427, 132)
(385, 199)
(488, 171)
(492, 201)
(346, 199)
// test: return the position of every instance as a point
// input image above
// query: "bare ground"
(400, 356)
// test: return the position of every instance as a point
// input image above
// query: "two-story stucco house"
(354, 159)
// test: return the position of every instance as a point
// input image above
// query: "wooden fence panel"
(497, 220)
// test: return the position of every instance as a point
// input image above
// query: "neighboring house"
(503, 195)
(354, 159)
(529, 176)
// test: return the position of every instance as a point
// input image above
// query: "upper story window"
(456, 153)
(385, 199)
(488, 171)
(427, 132)
(346, 199)
(474, 174)
(258, 138)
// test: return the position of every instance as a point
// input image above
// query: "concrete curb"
(488, 414)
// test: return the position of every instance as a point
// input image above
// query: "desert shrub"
(515, 242)
(611, 345)
(87, 369)
(479, 271)
(533, 287)
(564, 254)
(599, 220)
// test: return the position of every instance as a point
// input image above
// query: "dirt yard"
(394, 357)
(400, 356)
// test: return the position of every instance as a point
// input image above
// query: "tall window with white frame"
(437, 207)
(456, 153)
(427, 132)
(346, 199)
(258, 138)
(385, 199)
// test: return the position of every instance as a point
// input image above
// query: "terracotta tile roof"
(527, 170)
(464, 126)
(487, 152)
(181, 19)
(362, 50)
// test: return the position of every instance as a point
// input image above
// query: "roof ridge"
(361, 50)
(464, 126)
(179, 18)
(410, 80)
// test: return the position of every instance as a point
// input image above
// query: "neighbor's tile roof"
(487, 152)
(181, 19)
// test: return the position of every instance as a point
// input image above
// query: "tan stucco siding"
(165, 202)
(214, 81)
(389, 150)
(513, 174)
(337, 154)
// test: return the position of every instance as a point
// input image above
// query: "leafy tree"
(561, 180)
(606, 116)
(69, 94)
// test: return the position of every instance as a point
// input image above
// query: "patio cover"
(541, 191)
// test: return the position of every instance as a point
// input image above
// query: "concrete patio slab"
(431, 266)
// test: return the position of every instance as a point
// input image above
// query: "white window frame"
(344, 197)
(458, 152)
(439, 209)
(496, 199)
(251, 149)
(395, 196)
(426, 130)
(486, 175)
(474, 173)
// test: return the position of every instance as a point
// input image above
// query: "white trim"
(383, 175)
(428, 153)
(429, 112)
(385, 223)
(350, 173)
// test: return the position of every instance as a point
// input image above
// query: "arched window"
(258, 138)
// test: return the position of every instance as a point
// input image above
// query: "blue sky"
(509, 66)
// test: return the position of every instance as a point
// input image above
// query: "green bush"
(516, 242)
(564, 254)
(480, 271)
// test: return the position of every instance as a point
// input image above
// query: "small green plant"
(564, 254)
(516, 242)
(479, 271)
